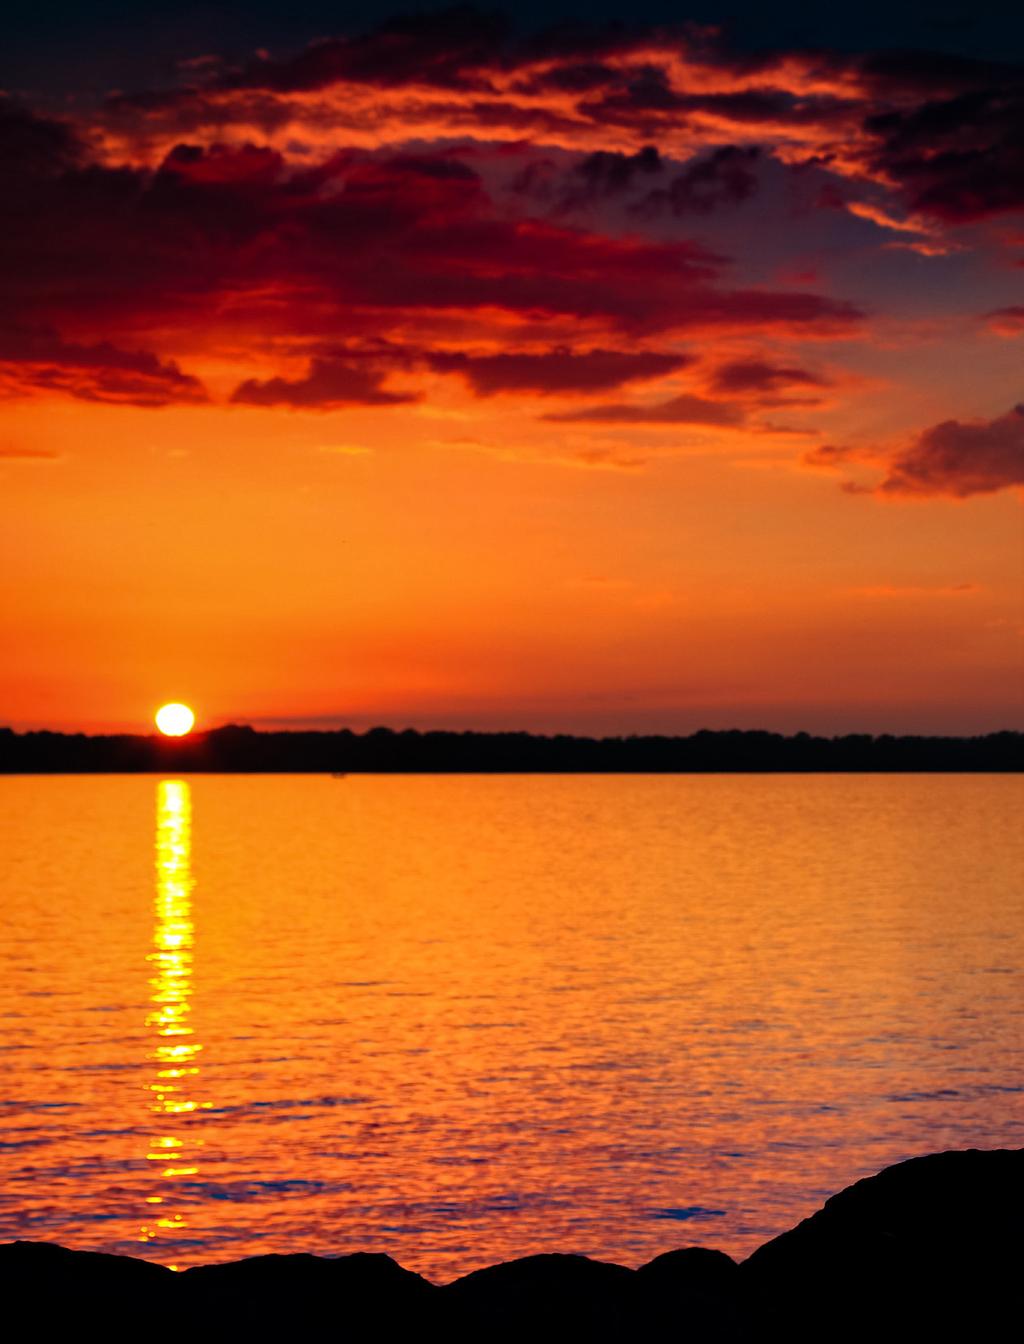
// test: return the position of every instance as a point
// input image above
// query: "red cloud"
(557, 371)
(755, 375)
(296, 215)
(961, 458)
(1007, 321)
(682, 410)
(954, 458)
(939, 131)
(354, 243)
(330, 384)
(36, 359)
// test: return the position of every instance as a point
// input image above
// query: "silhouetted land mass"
(927, 1250)
(242, 749)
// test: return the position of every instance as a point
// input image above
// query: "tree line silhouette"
(242, 749)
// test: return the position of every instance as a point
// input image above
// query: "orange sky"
(445, 409)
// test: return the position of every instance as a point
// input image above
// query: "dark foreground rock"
(555, 1296)
(929, 1249)
(283, 1295)
(926, 1250)
(694, 1293)
(52, 1291)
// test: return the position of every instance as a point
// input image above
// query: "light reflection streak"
(175, 1052)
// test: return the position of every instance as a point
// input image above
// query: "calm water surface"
(462, 1019)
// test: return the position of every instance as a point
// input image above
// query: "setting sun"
(175, 720)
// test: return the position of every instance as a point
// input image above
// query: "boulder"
(543, 1297)
(928, 1249)
(357, 1297)
(57, 1291)
(694, 1293)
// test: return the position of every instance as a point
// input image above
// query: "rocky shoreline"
(929, 1249)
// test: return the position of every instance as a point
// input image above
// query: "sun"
(175, 720)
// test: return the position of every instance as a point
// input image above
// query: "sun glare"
(175, 720)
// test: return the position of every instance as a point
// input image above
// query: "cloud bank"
(568, 214)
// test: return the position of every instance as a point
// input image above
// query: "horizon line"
(381, 728)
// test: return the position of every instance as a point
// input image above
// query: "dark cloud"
(754, 375)
(37, 359)
(610, 173)
(961, 458)
(956, 159)
(557, 371)
(954, 458)
(577, 77)
(724, 177)
(601, 176)
(682, 410)
(769, 107)
(635, 96)
(33, 146)
(329, 385)
(449, 48)
(356, 242)
(942, 128)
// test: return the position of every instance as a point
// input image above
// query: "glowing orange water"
(460, 1019)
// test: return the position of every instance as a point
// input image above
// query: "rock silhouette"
(694, 1293)
(51, 1290)
(556, 1296)
(278, 1295)
(929, 1249)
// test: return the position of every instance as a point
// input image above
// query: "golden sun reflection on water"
(175, 1052)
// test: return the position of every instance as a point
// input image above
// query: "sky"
(596, 370)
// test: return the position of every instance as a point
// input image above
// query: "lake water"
(461, 1019)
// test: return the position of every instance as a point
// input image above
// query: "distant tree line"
(242, 749)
